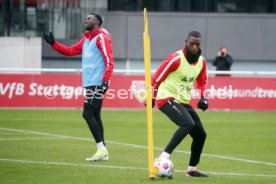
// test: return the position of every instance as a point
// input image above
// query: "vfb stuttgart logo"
(138, 89)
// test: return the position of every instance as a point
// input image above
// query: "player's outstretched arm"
(63, 49)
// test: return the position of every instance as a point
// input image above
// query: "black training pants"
(92, 113)
(189, 123)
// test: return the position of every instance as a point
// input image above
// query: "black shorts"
(94, 96)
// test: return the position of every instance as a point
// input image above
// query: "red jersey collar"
(92, 34)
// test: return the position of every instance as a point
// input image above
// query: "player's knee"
(188, 125)
(200, 136)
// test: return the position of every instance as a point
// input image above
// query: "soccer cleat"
(99, 155)
(195, 173)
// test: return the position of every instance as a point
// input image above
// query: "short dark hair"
(194, 34)
(98, 17)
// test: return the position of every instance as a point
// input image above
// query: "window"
(33, 17)
(221, 6)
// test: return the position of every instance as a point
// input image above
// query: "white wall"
(16, 52)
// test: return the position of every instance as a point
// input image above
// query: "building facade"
(246, 27)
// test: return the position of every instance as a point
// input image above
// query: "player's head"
(193, 42)
(93, 21)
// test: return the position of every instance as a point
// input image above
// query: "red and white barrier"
(65, 91)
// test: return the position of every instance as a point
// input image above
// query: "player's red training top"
(171, 64)
(104, 43)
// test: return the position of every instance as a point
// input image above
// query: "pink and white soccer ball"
(163, 167)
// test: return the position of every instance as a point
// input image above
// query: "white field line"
(70, 164)
(140, 146)
(123, 167)
(31, 138)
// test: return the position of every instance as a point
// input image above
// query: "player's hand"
(105, 86)
(49, 38)
(203, 104)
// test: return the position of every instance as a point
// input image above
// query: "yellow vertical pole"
(149, 96)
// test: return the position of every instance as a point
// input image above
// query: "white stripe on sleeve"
(167, 67)
(104, 49)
